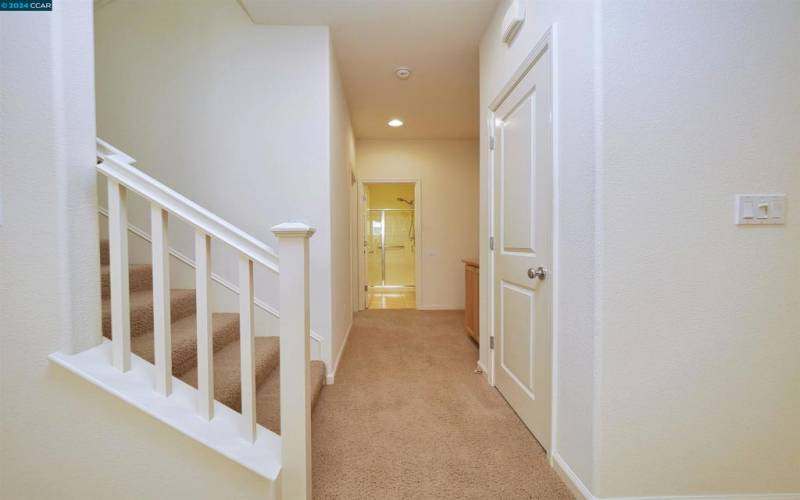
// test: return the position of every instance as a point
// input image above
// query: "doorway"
(390, 244)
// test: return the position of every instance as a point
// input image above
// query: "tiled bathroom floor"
(401, 298)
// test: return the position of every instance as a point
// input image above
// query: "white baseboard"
(484, 373)
(331, 376)
(745, 496)
(581, 491)
(441, 308)
(573, 482)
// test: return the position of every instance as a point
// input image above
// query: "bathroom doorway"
(390, 230)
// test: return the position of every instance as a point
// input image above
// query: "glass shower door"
(390, 247)
(399, 248)
(374, 248)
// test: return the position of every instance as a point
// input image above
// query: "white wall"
(235, 116)
(677, 370)
(448, 174)
(700, 379)
(342, 162)
(574, 126)
(62, 437)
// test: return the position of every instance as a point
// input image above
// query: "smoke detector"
(402, 73)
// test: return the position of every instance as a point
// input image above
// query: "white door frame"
(547, 41)
(362, 262)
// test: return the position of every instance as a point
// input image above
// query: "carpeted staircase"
(227, 380)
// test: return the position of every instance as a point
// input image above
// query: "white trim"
(573, 482)
(362, 279)
(260, 304)
(745, 496)
(482, 368)
(554, 311)
(117, 165)
(547, 41)
(491, 252)
(582, 492)
(178, 410)
(331, 376)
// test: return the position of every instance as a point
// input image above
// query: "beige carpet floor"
(408, 418)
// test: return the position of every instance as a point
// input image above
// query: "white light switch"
(747, 210)
(760, 208)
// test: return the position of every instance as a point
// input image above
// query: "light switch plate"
(760, 209)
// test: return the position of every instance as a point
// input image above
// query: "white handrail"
(117, 165)
(295, 324)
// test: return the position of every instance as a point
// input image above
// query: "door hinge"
(491, 242)
(491, 142)
(365, 288)
(491, 342)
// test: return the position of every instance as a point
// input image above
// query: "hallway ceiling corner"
(437, 39)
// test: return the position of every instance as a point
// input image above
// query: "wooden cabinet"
(471, 288)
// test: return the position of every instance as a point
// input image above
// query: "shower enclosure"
(391, 248)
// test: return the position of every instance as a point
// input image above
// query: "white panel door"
(523, 254)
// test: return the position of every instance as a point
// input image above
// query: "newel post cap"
(293, 230)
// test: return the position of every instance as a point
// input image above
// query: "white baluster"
(295, 330)
(247, 342)
(120, 293)
(162, 324)
(205, 344)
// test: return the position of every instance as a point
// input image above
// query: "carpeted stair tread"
(184, 340)
(140, 277)
(225, 327)
(227, 377)
(268, 397)
(182, 302)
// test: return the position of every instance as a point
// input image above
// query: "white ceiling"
(437, 39)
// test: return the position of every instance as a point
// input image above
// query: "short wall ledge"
(178, 410)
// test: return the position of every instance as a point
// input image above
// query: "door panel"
(516, 304)
(523, 212)
(518, 175)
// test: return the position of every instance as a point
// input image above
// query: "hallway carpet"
(409, 418)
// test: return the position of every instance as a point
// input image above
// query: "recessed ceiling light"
(394, 122)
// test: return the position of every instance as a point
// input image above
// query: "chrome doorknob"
(539, 272)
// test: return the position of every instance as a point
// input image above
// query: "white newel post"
(295, 329)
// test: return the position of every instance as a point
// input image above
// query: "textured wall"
(342, 162)
(232, 115)
(448, 208)
(700, 381)
(62, 438)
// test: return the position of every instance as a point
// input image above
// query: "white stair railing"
(295, 398)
